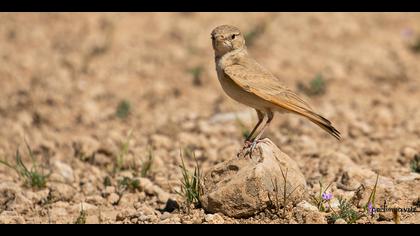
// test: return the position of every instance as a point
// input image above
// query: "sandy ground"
(62, 77)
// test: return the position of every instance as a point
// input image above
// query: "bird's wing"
(256, 80)
(263, 84)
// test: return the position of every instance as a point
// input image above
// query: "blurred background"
(86, 89)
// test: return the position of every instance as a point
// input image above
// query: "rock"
(113, 198)
(408, 152)
(11, 217)
(161, 141)
(340, 222)
(214, 219)
(64, 170)
(309, 214)
(170, 206)
(126, 213)
(240, 187)
(307, 206)
(95, 200)
(61, 192)
(147, 186)
(165, 216)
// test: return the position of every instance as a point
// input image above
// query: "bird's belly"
(240, 95)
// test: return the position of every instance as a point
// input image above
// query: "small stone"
(165, 216)
(340, 222)
(61, 192)
(214, 219)
(147, 186)
(161, 141)
(307, 206)
(65, 171)
(170, 206)
(113, 198)
(95, 200)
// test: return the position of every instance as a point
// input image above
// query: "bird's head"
(226, 38)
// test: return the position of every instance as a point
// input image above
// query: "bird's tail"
(323, 123)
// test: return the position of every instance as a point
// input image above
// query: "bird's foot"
(249, 147)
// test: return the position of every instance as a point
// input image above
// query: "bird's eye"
(233, 36)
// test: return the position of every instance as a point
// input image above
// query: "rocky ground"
(100, 98)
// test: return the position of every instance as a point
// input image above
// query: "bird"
(247, 82)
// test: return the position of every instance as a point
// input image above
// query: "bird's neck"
(230, 55)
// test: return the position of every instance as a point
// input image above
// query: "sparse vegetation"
(415, 47)
(124, 148)
(130, 184)
(81, 219)
(316, 86)
(321, 199)
(123, 109)
(190, 184)
(371, 200)
(346, 212)
(147, 164)
(197, 73)
(35, 176)
(415, 164)
(254, 33)
(276, 202)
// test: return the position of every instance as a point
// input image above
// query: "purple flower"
(371, 209)
(407, 33)
(327, 196)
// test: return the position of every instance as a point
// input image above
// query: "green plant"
(415, 163)
(81, 219)
(415, 47)
(190, 184)
(147, 165)
(123, 109)
(124, 148)
(196, 72)
(128, 184)
(317, 86)
(254, 33)
(346, 212)
(369, 206)
(107, 181)
(322, 198)
(285, 196)
(33, 177)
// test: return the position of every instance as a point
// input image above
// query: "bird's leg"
(270, 116)
(260, 119)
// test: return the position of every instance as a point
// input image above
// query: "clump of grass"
(124, 148)
(254, 33)
(33, 177)
(276, 202)
(128, 184)
(415, 164)
(369, 206)
(320, 200)
(107, 181)
(197, 73)
(81, 219)
(346, 212)
(123, 109)
(317, 86)
(190, 184)
(415, 46)
(147, 164)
